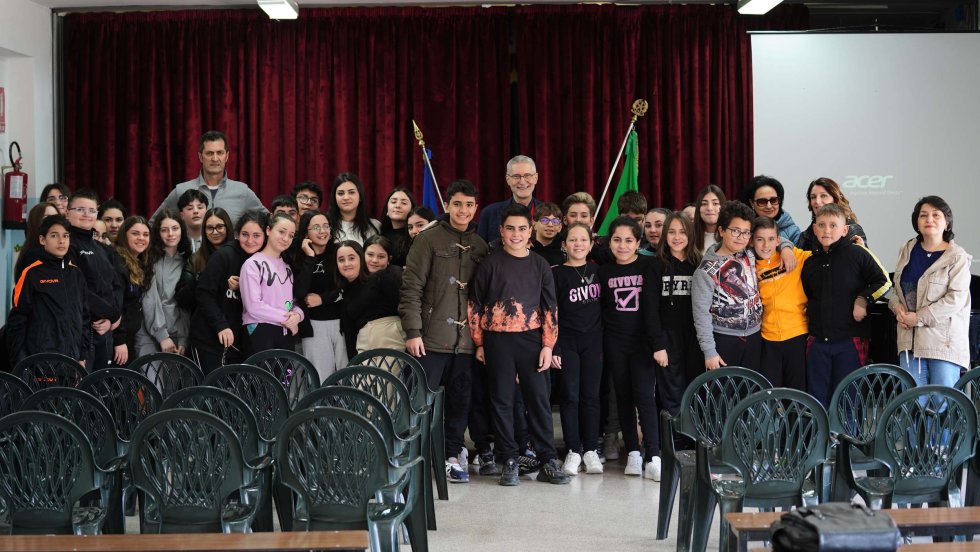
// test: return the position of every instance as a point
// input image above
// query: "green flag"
(628, 181)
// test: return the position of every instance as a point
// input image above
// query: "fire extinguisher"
(15, 192)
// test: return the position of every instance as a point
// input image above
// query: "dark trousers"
(211, 359)
(454, 372)
(634, 377)
(828, 361)
(684, 355)
(578, 384)
(740, 351)
(480, 420)
(784, 362)
(269, 336)
(511, 355)
(101, 351)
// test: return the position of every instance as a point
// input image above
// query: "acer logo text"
(866, 182)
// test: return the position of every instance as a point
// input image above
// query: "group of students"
(502, 311)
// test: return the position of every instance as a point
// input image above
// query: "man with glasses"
(521, 177)
(308, 196)
(231, 195)
(104, 292)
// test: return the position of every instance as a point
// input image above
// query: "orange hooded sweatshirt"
(783, 300)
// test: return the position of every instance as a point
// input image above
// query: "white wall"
(26, 74)
(890, 117)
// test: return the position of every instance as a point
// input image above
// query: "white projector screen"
(889, 117)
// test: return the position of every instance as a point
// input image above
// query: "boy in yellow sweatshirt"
(784, 323)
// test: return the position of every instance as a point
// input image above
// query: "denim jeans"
(930, 371)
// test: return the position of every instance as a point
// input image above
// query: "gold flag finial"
(639, 109)
(418, 133)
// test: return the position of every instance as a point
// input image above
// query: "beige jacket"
(943, 309)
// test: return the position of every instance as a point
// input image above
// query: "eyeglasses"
(57, 199)
(216, 229)
(319, 227)
(736, 233)
(308, 200)
(527, 177)
(550, 221)
(85, 210)
(763, 201)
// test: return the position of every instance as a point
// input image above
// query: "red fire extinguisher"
(15, 192)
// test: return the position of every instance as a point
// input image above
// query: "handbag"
(835, 527)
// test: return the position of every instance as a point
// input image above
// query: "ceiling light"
(751, 7)
(280, 9)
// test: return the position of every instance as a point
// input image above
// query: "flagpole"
(639, 109)
(428, 164)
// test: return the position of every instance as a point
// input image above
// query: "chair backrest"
(776, 437)
(357, 401)
(925, 435)
(169, 372)
(46, 466)
(259, 389)
(87, 412)
(296, 373)
(188, 462)
(382, 385)
(13, 391)
(335, 460)
(406, 367)
(969, 385)
(129, 396)
(861, 397)
(708, 399)
(44, 370)
(226, 406)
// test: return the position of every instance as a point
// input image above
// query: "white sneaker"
(610, 446)
(591, 461)
(464, 457)
(652, 470)
(634, 463)
(572, 462)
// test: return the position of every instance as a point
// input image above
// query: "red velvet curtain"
(336, 90)
(333, 91)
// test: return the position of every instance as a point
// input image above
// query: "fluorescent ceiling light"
(751, 7)
(280, 9)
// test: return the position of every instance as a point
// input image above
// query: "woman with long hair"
(370, 316)
(269, 310)
(419, 218)
(315, 287)
(136, 272)
(708, 206)
(394, 223)
(165, 324)
(819, 193)
(216, 325)
(678, 258)
(57, 194)
(347, 213)
(218, 230)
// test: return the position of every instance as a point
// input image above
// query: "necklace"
(581, 275)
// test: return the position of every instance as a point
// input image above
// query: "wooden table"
(912, 522)
(923, 547)
(209, 542)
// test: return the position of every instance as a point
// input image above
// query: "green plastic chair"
(969, 385)
(388, 388)
(44, 370)
(46, 467)
(169, 372)
(402, 451)
(703, 410)
(239, 416)
(924, 437)
(96, 423)
(428, 399)
(13, 391)
(189, 463)
(855, 410)
(337, 462)
(296, 373)
(772, 439)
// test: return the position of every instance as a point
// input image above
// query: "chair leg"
(383, 535)
(725, 541)
(430, 507)
(263, 517)
(702, 514)
(115, 523)
(685, 508)
(437, 451)
(668, 490)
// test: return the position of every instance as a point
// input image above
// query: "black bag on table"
(835, 527)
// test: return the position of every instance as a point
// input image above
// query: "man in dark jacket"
(104, 289)
(522, 177)
(49, 313)
(433, 310)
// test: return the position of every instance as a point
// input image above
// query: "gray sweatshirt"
(162, 318)
(725, 298)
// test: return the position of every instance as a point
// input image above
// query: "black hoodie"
(105, 290)
(218, 307)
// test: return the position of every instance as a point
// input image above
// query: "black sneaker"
(510, 477)
(551, 472)
(528, 464)
(488, 466)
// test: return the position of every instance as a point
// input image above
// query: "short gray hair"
(521, 159)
